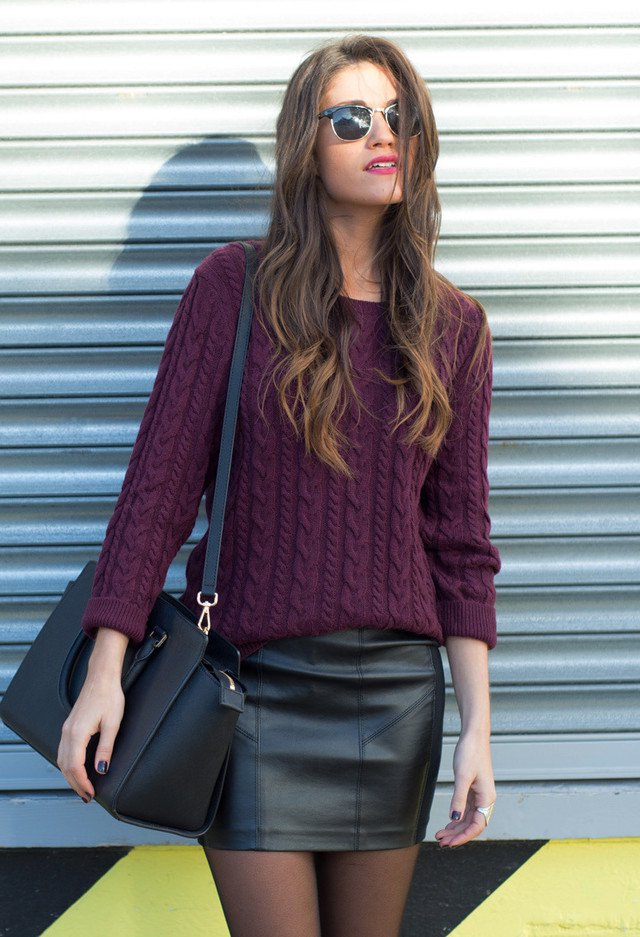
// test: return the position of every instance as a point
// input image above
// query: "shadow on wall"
(86, 314)
(207, 194)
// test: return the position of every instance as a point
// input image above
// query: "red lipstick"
(384, 169)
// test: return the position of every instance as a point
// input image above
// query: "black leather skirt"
(339, 744)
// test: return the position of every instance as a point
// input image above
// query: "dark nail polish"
(102, 767)
(86, 799)
(455, 814)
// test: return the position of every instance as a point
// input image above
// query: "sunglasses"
(354, 121)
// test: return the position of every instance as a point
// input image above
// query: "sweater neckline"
(258, 244)
(363, 302)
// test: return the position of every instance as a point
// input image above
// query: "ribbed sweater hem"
(112, 613)
(469, 620)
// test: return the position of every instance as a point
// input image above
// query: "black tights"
(313, 894)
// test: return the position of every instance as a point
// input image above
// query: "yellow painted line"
(154, 891)
(574, 887)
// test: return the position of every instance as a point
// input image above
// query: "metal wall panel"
(133, 146)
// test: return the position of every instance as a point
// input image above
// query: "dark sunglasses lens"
(394, 121)
(351, 123)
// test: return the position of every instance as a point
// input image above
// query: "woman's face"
(341, 164)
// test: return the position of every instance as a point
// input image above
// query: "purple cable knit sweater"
(405, 544)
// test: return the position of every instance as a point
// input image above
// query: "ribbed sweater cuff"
(112, 613)
(469, 620)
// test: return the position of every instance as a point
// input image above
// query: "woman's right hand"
(98, 708)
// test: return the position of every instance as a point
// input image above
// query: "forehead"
(362, 81)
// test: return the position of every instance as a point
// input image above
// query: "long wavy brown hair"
(300, 278)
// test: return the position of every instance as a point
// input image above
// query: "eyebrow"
(360, 101)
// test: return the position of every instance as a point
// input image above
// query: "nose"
(380, 130)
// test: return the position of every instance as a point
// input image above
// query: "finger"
(463, 838)
(63, 760)
(460, 799)
(446, 835)
(471, 830)
(76, 772)
(455, 828)
(462, 821)
(75, 785)
(104, 750)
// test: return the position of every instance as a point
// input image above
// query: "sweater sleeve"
(455, 523)
(170, 464)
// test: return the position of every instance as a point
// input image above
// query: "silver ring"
(486, 813)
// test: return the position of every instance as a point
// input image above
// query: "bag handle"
(212, 556)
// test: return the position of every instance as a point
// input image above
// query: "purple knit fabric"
(405, 544)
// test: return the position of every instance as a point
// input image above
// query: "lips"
(391, 158)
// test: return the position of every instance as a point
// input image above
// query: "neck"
(355, 231)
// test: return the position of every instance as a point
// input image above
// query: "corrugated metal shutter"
(136, 142)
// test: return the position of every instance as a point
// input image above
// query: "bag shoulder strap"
(212, 556)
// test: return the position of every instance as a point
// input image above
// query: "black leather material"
(182, 688)
(170, 757)
(339, 744)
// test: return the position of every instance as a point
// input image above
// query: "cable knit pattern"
(455, 525)
(405, 544)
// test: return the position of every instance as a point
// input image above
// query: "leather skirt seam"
(438, 691)
(405, 712)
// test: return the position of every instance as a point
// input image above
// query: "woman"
(348, 558)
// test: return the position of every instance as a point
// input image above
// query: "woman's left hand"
(474, 787)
